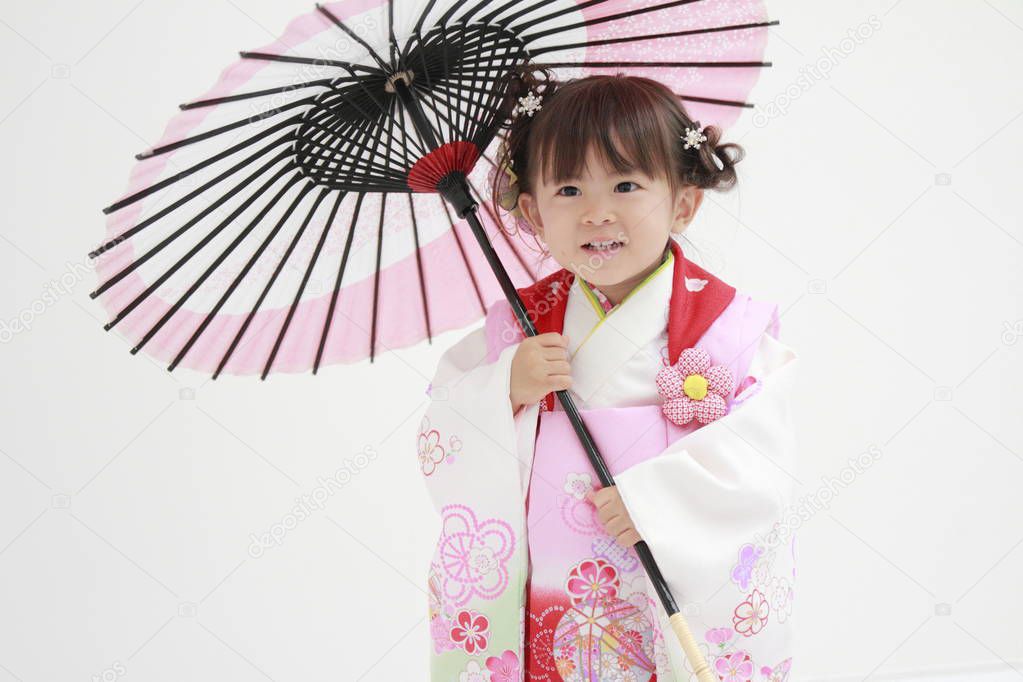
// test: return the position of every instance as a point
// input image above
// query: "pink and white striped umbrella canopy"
(226, 255)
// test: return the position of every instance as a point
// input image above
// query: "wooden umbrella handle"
(685, 638)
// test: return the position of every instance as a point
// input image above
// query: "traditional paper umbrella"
(300, 212)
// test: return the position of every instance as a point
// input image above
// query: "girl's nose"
(599, 214)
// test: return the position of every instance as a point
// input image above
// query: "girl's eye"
(627, 182)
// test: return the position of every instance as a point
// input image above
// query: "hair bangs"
(615, 124)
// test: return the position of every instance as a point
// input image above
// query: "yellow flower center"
(695, 386)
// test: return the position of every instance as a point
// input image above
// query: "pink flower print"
(470, 631)
(750, 616)
(454, 446)
(577, 485)
(761, 575)
(592, 579)
(430, 451)
(693, 388)
(781, 595)
(719, 636)
(735, 667)
(780, 672)
(473, 673)
(504, 668)
(748, 388)
(440, 629)
(748, 555)
(473, 556)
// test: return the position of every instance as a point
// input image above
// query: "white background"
(879, 205)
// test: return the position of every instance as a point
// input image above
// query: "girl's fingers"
(552, 339)
(554, 353)
(628, 538)
(559, 367)
(560, 382)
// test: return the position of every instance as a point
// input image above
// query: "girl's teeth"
(600, 246)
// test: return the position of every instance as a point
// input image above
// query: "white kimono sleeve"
(470, 402)
(719, 487)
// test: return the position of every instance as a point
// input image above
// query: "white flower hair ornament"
(693, 136)
(529, 104)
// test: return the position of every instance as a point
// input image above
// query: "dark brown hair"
(643, 114)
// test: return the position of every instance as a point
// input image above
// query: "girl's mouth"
(603, 246)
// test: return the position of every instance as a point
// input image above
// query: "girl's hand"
(613, 515)
(540, 366)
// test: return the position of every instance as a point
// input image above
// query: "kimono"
(684, 386)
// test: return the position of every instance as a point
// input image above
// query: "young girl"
(680, 379)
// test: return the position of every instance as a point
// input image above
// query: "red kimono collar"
(692, 310)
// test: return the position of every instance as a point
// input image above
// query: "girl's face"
(607, 228)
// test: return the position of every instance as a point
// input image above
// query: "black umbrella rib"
(354, 36)
(262, 247)
(181, 261)
(415, 226)
(360, 140)
(366, 164)
(656, 64)
(386, 113)
(465, 259)
(348, 141)
(444, 51)
(376, 277)
(429, 83)
(476, 46)
(156, 151)
(423, 15)
(631, 39)
(466, 16)
(480, 105)
(506, 21)
(128, 234)
(419, 266)
(380, 249)
(474, 109)
(212, 314)
(130, 267)
(340, 275)
(350, 66)
(143, 193)
(404, 127)
(610, 17)
(390, 31)
(461, 90)
(489, 18)
(386, 177)
(429, 95)
(321, 83)
(711, 100)
(305, 277)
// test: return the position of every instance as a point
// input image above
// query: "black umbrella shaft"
(455, 189)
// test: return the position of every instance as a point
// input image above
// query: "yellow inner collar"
(595, 302)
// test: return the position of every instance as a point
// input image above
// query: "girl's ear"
(527, 204)
(688, 203)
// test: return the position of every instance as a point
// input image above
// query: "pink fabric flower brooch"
(692, 388)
